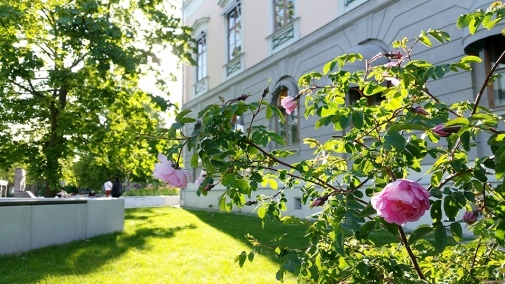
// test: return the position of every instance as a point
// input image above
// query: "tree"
(64, 64)
(360, 179)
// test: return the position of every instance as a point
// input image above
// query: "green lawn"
(159, 245)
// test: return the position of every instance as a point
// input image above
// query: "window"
(495, 46)
(237, 123)
(298, 203)
(284, 13)
(289, 130)
(233, 17)
(201, 57)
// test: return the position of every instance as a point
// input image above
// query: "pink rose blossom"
(166, 172)
(394, 81)
(201, 178)
(289, 103)
(401, 201)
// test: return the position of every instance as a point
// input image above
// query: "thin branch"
(411, 254)
(486, 82)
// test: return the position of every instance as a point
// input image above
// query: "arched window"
(201, 57)
(290, 128)
(494, 47)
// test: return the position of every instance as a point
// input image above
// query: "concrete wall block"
(57, 224)
(105, 216)
(14, 229)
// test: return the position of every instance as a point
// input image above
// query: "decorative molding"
(199, 26)
(284, 36)
(201, 86)
(345, 6)
(234, 65)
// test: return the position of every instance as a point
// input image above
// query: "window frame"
(201, 69)
(286, 19)
(490, 56)
(288, 85)
(235, 29)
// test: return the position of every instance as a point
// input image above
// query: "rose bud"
(319, 201)
(396, 54)
(470, 217)
(442, 131)
(419, 110)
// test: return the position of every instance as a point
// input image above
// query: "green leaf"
(450, 208)
(262, 211)
(395, 139)
(391, 228)
(328, 67)
(457, 231)
(436, 210)
(440, 239)
(406, 126)
(182, 114)
(457, 121)
(471, 59)
(424, 39)
(500, 233)
(241, 258)
(463, 21)
(366, 229)
(419, 232)
(357, 120)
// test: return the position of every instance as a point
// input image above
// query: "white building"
(242, 44)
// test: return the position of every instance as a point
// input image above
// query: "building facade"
(245, 44)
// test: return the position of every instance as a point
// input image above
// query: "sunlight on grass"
(158, 245)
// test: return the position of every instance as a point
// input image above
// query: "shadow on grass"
(273, 234)
(84, 256)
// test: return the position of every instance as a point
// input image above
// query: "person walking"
(107, 186)
(117, 188)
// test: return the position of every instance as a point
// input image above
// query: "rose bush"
(358, 177)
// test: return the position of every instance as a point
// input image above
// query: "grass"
(164, 245)
(154, 191)
(159, 245)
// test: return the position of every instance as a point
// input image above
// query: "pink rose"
(394, 81)
(166, 172)
(401, 201)
(289, 104)
(201, 178)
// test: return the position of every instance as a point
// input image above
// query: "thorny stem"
(475, 256)
(411, 254)
(263, 95)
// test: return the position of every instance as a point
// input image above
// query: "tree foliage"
(381, 143)
(66, 65)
